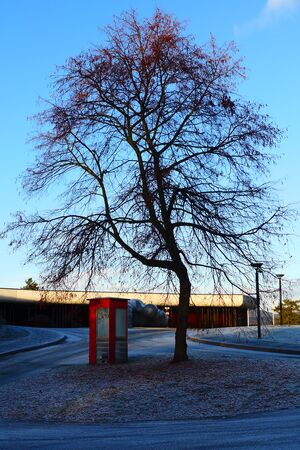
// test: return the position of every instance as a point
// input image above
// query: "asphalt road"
(23, 364)
(278, 430)
(274, 431)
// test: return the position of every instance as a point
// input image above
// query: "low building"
(70, 308)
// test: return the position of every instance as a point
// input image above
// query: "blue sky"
(36, 36)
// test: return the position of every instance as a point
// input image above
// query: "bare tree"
(161, 161)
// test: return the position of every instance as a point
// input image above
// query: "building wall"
(205, 317)
(70, 309)
(159, 299)
(39, 314)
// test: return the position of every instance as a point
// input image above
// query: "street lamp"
(257, 267)
(279, 276)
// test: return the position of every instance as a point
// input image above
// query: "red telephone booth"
(108, 330)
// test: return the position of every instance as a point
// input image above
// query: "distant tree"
(163, 162)
(31, 285)
(290, 312)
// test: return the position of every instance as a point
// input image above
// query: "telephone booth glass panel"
(121, 323)
(121, 335)
(102, 324)
(102, 334)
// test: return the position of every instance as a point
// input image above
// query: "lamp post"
(279, 276)
(257, 267)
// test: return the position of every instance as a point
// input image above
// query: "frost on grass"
(153, 389)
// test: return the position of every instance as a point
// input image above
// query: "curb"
(246, 347)
(34, 347)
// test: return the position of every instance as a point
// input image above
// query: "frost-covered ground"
(152, 388)
(282, 336)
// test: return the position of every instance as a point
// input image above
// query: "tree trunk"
(180, 353)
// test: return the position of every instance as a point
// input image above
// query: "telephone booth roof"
(108, 301)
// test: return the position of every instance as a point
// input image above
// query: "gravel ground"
(153, 389)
